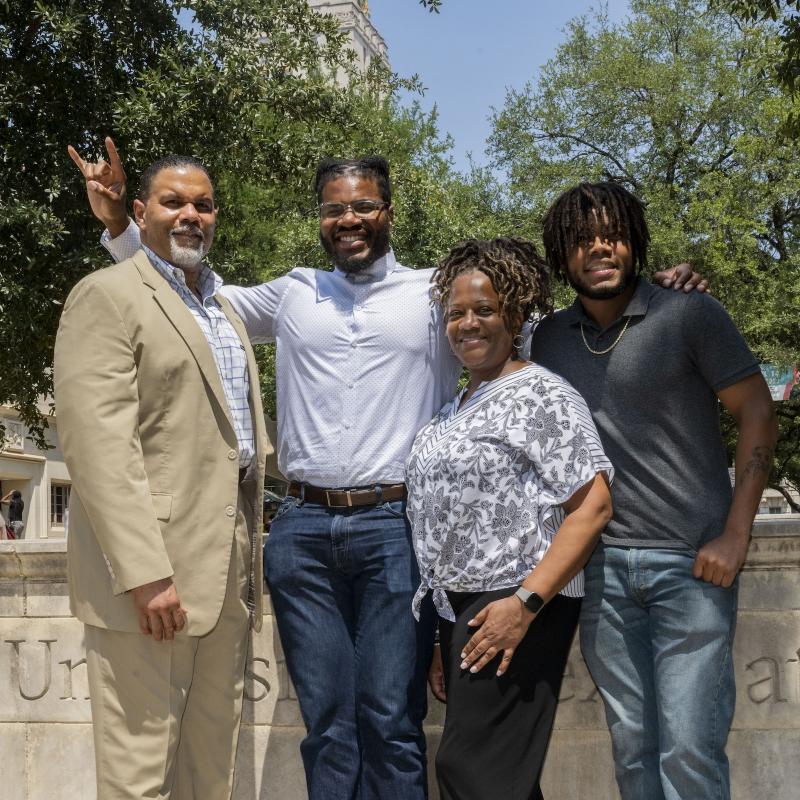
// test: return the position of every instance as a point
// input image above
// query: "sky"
(469, 54)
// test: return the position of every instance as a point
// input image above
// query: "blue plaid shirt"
(225, 344)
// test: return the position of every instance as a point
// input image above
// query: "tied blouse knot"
(486, 482)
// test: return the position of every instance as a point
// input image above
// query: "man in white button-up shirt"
(362, 364)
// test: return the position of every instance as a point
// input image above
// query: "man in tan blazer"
(160, 420)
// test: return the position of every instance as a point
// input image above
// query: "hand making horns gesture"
(105, 187)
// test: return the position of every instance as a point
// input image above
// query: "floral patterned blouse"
(486, 481)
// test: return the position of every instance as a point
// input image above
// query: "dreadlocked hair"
(513, 266)
(587, 210)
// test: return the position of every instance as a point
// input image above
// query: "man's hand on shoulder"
(106, 187)
(681, 276)
(720, 560)
(159, 608)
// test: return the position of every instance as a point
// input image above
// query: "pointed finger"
(79, 162)
(114, 159)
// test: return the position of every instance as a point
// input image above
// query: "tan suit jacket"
(147, 437)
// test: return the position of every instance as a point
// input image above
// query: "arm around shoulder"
(259, 306)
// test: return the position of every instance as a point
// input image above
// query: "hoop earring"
(517, 345)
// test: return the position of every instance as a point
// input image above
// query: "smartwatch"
(532, 601)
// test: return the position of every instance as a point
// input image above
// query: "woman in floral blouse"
(508, 493)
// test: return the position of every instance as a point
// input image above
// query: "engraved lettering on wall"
(31, 667)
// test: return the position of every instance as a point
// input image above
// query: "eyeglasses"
(361, 208)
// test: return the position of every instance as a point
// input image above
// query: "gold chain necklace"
(613, 344)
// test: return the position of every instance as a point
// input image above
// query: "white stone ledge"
(45, 730)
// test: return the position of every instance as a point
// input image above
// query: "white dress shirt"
(361, 366)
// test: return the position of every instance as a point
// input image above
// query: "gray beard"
(186, 257)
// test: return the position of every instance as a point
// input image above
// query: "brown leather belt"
(348, 498)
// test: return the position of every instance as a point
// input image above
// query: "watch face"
(534, 602)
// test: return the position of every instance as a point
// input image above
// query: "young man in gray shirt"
(659, 613)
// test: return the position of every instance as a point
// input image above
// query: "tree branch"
(594, 148)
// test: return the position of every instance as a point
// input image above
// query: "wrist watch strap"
(532, 601)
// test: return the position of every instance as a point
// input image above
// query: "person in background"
(508, 493)
(16, 506)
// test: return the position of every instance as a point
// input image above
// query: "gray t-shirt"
(654, 402)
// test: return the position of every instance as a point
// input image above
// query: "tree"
(244, 85)
(673, 104)
(74, 71)
(787, 68)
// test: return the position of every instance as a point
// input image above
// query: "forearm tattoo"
(759, 465)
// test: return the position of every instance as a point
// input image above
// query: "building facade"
(354, 19)
(40, 475)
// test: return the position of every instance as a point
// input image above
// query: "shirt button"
(350, 385)
(232, 454)
(353, 344)
(230, 511)
(347, 426)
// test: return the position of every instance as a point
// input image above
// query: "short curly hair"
(373, 168)
(517, 272)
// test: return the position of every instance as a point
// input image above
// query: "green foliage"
(787, 67)
(674, 104)
(244, 85)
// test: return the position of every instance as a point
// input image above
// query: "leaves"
(246, 86)
(676, 104)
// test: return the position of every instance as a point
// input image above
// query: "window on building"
(59, 502)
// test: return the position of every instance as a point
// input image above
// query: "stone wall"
(45, 734)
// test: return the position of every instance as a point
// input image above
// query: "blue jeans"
(342, 582)
(658, 644)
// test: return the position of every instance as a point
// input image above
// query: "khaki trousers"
(166, 714)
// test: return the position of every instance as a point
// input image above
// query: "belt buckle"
(331, 505)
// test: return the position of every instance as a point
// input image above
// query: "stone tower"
(354, 19)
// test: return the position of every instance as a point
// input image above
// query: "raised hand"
(105, 187)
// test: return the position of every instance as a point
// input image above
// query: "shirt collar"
(637, 305)
(208, 282)
(376, 271)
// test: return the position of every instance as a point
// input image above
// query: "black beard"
(356, 264)
(603, 293)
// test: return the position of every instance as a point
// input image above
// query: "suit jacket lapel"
(186, 325)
